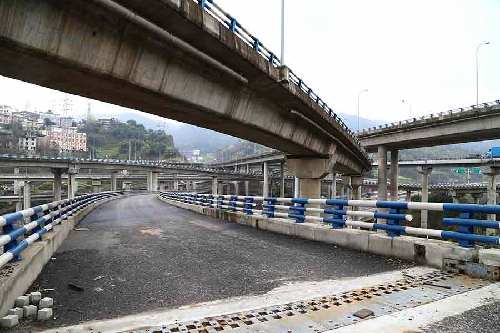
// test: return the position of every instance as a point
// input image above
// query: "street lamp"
(477, 69)
(404, 101)
(282, 32)
(359, 96)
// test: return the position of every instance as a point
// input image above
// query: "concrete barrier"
(16, 278)
(431, 252)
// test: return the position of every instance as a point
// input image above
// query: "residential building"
(28, 143)
(107, 123)
(67, 139)
(6, 114)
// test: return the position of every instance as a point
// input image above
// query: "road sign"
(459, 170)
(476, 171)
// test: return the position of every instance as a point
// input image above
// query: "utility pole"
(282, 33)
(129, 149)
(477, 69)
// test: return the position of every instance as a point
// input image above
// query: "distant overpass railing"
(42, 219)
(335, 212)
(233, 25)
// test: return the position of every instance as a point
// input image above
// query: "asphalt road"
(140, 254)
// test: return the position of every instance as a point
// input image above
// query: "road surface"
(138, 254)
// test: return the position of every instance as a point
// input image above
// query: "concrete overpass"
(472, 124)
(184, 60)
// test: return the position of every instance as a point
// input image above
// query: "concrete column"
(477, 197)
(492, 174)
(154, 181)
(96, 186)
(265, 185)
(149, 181)
(356, 183)
(394, 174)
(17, 191)
(248, 168)
(72, 182)
(236, 188)
(27, 195)
(282, 179)
(333, 188)
(176, 185)
(247, 187)
(408, 195)
(382, 173)
(215, 188)
(309, 171)
(296, 187)
(114, 177)
(425, 171)
(454, 196)
(57, 184)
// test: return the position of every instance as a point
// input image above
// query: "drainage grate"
(330, 312)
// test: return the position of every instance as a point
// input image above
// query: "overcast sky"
(420, 51)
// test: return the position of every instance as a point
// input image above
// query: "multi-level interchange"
(297, 240)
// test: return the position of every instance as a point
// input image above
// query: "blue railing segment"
(336, 214)
(42, 219)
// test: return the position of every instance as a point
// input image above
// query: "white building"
(28, 143)
(6, 114)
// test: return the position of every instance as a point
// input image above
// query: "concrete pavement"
(139, 254)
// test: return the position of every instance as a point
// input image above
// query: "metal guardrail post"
(248, 207)
(298, 211)
(268, 206)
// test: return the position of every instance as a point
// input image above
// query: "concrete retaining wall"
(430, 252)
(17, 278)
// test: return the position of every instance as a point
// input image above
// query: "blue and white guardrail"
(42, 218)
(336, 214)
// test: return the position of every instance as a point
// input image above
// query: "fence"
(41, 219)
(335, 212)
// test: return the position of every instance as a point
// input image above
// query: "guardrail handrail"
(335, 214)
(483, 107)
(42, 219)
(210, 7)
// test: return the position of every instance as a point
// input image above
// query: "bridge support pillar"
(247, 187)
(215, 186)
(296, 187)
(17, 191)
(309, 172)
(408, 195)
(492, 174)
(425, 171)
(154, 182)
(382, 173)
(265, 185)
(72, 182)
(394, 174)
(356, 183)
(333, 187)
(96, 186)
(236, 185)
(477, 198)
(114, 181)
(454, 196)
(282, 179)
(57, 184)
(27, 195)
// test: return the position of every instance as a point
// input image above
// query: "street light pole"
(282, 32)
(477, 69)
(359, 96)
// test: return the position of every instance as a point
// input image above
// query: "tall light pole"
(282, 32)
(405, 101)
(477, 69)
(359, 96)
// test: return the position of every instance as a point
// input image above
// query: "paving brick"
(22, 301)
(9, 321)
(16, 311)
(35, 297)
(30, 311)
(44, 314)
(46, 302)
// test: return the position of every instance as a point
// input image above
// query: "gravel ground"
(140, 254)
(484, 319)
